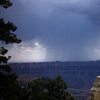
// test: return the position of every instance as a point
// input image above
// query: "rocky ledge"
(95, 90)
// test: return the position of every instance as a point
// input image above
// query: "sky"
(54, 30)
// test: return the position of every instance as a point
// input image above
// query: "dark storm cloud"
(90, 9)
(22, 17)
(67, 29)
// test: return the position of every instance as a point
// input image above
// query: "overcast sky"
(51, 30)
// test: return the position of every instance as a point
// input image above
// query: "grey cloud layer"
(69, 29)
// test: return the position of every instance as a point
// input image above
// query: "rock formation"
(23, 79)
(95, 90)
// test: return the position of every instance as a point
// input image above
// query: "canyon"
(79, 76)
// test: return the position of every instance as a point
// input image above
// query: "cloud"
(27, 52)
(55, 29)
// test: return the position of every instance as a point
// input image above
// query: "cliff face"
(78, 75)
(95, 90)
(23, 79)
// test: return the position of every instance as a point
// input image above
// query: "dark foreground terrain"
(77, 93)
(78, 75)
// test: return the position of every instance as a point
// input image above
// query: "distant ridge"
(52, 61)
(77, 74)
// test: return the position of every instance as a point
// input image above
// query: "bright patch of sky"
(23, 50)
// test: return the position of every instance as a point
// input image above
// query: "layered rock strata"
(77, 75)
(95, 90)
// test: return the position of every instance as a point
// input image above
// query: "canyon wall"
(78, 75)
